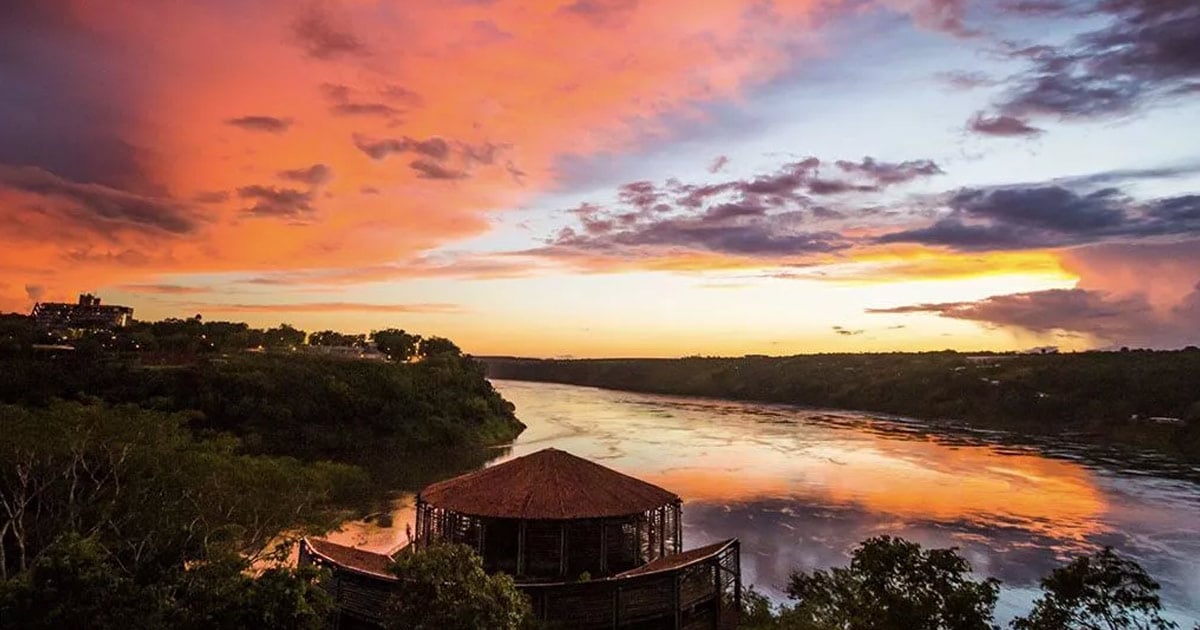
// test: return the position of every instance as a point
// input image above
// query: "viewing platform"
(591, 547)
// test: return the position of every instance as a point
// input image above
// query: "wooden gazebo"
(592, 548)
(552, 516)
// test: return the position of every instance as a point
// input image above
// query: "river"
(802, 487)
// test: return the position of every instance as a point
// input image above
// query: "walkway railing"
(693, 590)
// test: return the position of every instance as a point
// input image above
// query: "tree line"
(1142, 399)
(135, 494)
(19, 334)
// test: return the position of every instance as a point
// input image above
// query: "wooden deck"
(698, 589)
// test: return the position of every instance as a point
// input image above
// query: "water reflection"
(801, 487)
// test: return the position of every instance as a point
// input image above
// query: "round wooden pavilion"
(552, 516)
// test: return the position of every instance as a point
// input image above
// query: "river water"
(802, 487)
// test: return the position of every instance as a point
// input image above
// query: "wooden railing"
(699, 592)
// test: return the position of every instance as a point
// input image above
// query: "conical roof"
(547, 485)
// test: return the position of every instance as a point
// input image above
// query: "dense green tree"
(333, 338)
(1102, 591)
(396, 344)
(139, 484)
(892, 583)
(17, 334)
(78, 584)
(445, 586)
(439, 347)
(757, 612)
(283, 336)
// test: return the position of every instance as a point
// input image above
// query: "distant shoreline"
(1148, 400)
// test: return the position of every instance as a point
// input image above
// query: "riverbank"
(1138, 399)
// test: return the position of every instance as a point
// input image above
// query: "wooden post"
(417, 528)
(616, 620)
(662, 531)
(603, 548)
(676, 616)
(562, 548)
(678, 526)
(719, 590)
(737, 578)
(521, 548)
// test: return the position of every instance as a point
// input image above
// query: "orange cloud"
(217, 104)
(323, 307)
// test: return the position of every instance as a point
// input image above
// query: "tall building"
(87, 314)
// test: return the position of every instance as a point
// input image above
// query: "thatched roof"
(547, 485)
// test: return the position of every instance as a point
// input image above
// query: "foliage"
(756, 610)
(77, 584)
(140, 485)
(439, 347)
(284, 336)
(892, 583)
(1099, 592)
(396, 344)
(333, 338)
(1106, 395)
(445, 586)
(289, 404)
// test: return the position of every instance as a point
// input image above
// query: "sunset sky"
(614, 177)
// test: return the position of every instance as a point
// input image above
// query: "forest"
(156, 476)
(1137, 398)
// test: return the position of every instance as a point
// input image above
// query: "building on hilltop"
(87, 314)
(591, 547)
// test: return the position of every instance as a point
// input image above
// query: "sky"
(614, 177)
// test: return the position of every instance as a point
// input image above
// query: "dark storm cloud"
(1119, 320)
(97, 207)
(1001, 125)
(1050, 216)
(315, 175)
(272, 201)
(318, 32)
(269, 124)
(1146, 52)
